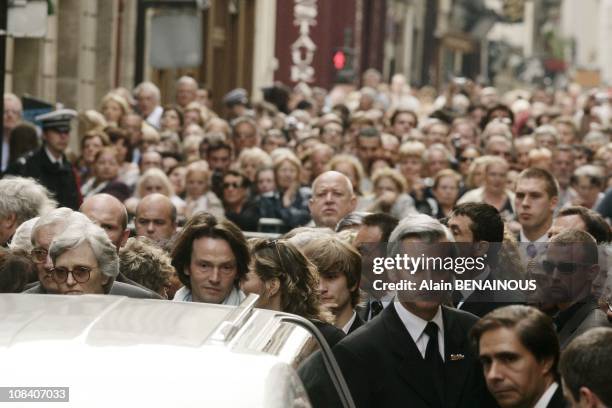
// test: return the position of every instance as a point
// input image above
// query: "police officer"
(49, 165)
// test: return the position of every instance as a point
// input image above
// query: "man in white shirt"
(211, 257)
(519, 351)
(148, 98)
(416, 352)
(537, 194)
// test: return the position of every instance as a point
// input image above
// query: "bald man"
(156, 218)
(332, 199)
(110, 214)
(186, 91)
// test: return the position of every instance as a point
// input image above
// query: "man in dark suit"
(519, 351)
(585, 367)
(479, 231)
(49, 165)
(416, 352)
(339, 267)
(371, 242)
(571, 265)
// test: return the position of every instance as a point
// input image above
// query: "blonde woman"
(113, 107)
(198, 197)
(389, 195)
(252, 159)
(351, 167)
(152, 181)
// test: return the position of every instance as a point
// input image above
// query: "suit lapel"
(411, 367)
(455, 366)
(575, 321)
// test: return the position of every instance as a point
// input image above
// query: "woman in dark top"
(288, 282)
(105, 180)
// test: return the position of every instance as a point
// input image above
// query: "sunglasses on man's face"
(231, 185)
(565, 268)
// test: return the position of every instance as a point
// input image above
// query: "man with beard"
(416, 353)
(571, 265)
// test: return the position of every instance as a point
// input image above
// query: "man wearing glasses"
(238, 208)
(571, 265)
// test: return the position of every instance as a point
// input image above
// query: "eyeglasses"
(232, 185)
(566, 268)
(465, 159)
(39, 255)
(81, 274)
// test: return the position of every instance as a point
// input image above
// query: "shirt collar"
(547, 396)
(348, 324)
(414, 324)
(483, 275)
(52, 158)
(543, 238)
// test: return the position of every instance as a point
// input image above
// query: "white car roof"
(131, 352)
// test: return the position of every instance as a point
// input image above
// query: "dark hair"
(595, 224)
(402, 111)
(385, 222)
(500, 106)
(332, 256)
(552, 187)
(586, 362)
(280, 259)
(178, 111)
(534, 329)
(115, 134)
(487, 224)
(202, 225)
(16, 271)
(23, 140)
(246, 183)
(218, 145)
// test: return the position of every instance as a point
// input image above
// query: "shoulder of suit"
(461, 316)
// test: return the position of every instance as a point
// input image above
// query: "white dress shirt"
(348, 324)
(52, 158)
(547, 396)
(416, 328)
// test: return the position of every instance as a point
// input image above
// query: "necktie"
(532, 251)
(375, 308)
(434, 359)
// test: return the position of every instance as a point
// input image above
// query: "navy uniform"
(56, 174)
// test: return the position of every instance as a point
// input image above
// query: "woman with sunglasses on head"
(288, 282)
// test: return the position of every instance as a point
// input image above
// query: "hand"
(387, 199)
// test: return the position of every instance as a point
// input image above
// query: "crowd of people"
(294, 196)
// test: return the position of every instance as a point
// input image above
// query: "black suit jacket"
(357, 323)
(481, 302)
(384, 368)
(61, 181)
(578, 319)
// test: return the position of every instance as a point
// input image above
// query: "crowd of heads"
(327, 182)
